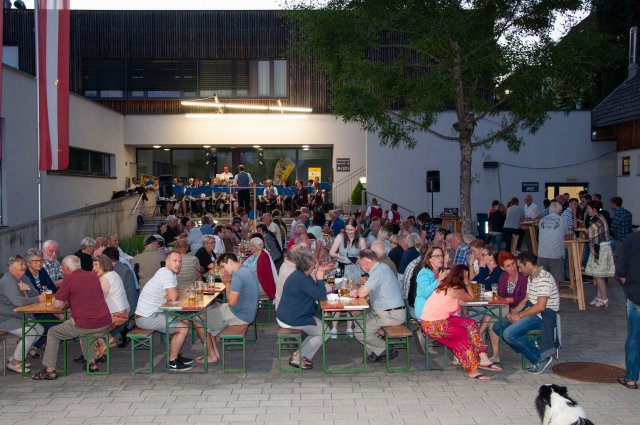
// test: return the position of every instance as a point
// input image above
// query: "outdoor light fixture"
(250, 116)
(363, 180)
(157, 146)
(217, 104)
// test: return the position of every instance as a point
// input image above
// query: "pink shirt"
(439, 307)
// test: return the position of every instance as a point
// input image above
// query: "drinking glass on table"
(48, 298)
(494, 290)
(191, 296)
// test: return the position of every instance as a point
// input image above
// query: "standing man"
(387, 305)
(194, 236)
(149, 260)
(628, 272)
(553, 229)
(621, 223)
(536, 311)
(82, 293)
(570, 216)
(243, 180)
(531, 210)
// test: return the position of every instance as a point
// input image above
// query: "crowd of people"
(397, 263)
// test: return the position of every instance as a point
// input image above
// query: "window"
(83, 162)
(10, 56)
(626, 165)
(185, 79)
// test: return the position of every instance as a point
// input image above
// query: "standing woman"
(600, 264)
(441, 322)
(346, 249)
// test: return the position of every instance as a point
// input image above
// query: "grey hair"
(33, 252)
(294, 248)
(207, 239)
(88, 241)
(71, 262)
(383, 234)
(50, 242)
(414, 240)
(555, 207)
(303, 259)
(15, 259)
(257, 242)
(378, 248)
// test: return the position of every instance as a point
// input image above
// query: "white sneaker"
(350, 332)
(334, 333)
(595, 302)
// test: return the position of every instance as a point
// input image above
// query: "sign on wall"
(530, 187)
(343, 164)
(315, 172)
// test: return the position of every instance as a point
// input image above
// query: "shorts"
(219, 317)
(156, 322)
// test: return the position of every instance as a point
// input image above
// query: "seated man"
(385, 299)
(536, 311)
(160, 288)
(269, 197)
(149, 260)
(82, 293)
(241, 290)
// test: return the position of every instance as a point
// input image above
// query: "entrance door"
(555, 189)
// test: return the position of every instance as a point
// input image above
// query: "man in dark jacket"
(628, 272)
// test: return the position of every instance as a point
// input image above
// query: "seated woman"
(460, 334)
(14, 293)
(115, 297)
(512, 286)
(428, 279)
(297, 307)
(487, 277)
(39, 279)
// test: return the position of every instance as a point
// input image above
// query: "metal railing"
(370, 195)
(342, 189)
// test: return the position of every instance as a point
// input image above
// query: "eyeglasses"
(437, 256)
(37, 260)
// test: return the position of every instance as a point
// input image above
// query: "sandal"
(200, 360)
(17, 368)
(45, 376)
(494, 367)
(626, 383)
(33, 353)
(92, 367)
(481, 377)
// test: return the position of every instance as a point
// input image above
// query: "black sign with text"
(530, 187)
(343, 164)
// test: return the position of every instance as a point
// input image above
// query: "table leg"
(324, 352)
(579, 286)
(364, 339)
(534, 239)
(205, 338)
(24, 354)
(167, 338)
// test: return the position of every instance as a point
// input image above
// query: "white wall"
(549, 155)
(91, 126)
(629, 186)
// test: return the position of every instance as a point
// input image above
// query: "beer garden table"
(328, 309)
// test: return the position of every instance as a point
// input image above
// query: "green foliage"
(132, 245)
(356, 195)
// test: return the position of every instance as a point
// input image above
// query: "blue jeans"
(632, 346)
(514, 334)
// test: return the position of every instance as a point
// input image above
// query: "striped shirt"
(567, 215)
(542, 284)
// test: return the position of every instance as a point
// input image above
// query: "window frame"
(106, 158)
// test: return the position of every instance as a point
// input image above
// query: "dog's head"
(555, 407)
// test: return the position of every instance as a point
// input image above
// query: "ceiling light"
(218, 104)
(166, 149)
(157, 146)
(290, 109)
(256, 146)
(194, 103)
(249, 116)
(206, 146)
(243, 106)
(305, 149)
(305, 146)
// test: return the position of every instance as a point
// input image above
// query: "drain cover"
(589, 372)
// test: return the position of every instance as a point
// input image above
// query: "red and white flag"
(53, 33)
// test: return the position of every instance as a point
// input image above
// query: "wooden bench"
(264, 304)
(291, 340)
(233, 338)
(141, 339)
(3, 336)
(397, 337)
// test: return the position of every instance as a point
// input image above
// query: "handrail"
(359, 172)
(137, 203)
(378, 197)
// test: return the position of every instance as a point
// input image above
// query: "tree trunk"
(465, 181)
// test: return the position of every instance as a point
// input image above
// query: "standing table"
(574, 249)
(176, 311)
(328, 309)
(27, 319)
(530, 227)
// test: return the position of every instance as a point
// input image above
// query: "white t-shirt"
(152, 295)
(219, 248)
(531, 211)
(116, 298)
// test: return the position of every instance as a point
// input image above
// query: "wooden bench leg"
(91, 340)
(289, 342)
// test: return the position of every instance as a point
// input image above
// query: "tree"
(393, 65)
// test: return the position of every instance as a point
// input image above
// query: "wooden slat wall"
(172, 35)
(627, 135)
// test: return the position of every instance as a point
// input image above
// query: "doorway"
(555, 189)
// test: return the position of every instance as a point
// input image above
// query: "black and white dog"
(555, 407)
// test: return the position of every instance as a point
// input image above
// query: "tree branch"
(428, 130)
(497, 135)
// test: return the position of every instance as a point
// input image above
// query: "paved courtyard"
(263, 395)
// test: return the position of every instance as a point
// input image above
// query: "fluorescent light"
(166, 149)
(243, 106)
(206, 146)
(249, 116)
(257, 146)
(290, 109)
(194, 103)
(305, 149)
(157, 146)
(305, 146)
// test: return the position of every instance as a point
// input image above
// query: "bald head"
(378, 248)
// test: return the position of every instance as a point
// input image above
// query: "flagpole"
(35, 14)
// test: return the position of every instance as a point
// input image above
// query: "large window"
(83, 162)
(184, 79)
